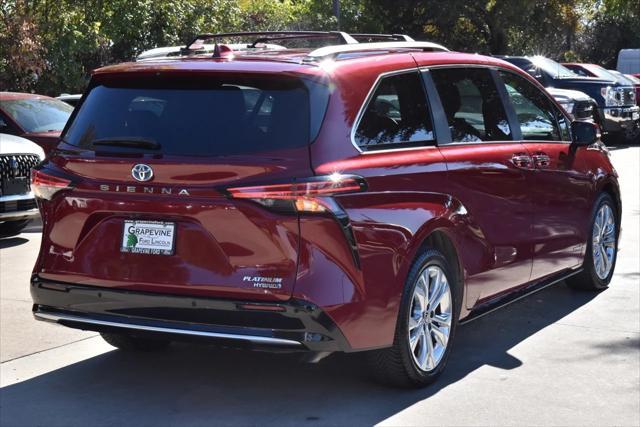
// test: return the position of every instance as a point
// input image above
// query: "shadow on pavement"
(10, 242)
(193, 385)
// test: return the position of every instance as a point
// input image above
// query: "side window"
(539, 119)
(472, 105)
(396, 116)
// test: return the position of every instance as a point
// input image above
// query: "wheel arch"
(610, 186)
(441, 235)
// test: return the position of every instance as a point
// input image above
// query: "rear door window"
(472, 104)
(209, 117)
(539, 118)
(396, 115)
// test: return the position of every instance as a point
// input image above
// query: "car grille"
(627, 95)
(17, 165)
(17, 205)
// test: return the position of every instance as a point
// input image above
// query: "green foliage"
(50, 46)
(613, 27)
(132, 240)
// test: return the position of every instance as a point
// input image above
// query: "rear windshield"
(201, 116)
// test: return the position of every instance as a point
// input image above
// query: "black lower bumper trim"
(297, 326)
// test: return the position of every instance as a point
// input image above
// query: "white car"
(17, 204)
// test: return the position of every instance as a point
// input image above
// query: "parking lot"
(559, 357)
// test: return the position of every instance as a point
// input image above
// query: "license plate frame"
(149, 237)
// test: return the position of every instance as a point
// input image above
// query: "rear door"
(151, 159)
(487, 173)
(562, 188)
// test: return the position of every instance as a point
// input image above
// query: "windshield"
(606, 74)
(200, 116)
(38, 114)
(550, 66)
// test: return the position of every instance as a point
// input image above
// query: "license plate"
(14, 186)
(148, 237)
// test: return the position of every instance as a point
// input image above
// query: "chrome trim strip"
(16, 215)
(534, 289)
(17, 197)
(361, 47)
(392, 150)
(252, 338)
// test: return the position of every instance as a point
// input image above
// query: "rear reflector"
(45, 186)
(261, 307)
(307, 196)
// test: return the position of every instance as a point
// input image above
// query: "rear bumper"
(292, 326)
(18, 207)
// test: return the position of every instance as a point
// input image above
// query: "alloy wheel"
(430, 318)
(604, 241)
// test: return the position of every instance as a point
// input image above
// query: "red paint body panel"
(508, 225)
(563, 194)
(489, 185)
(219, 241)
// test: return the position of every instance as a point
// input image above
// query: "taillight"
(45, 186)
(306, 196)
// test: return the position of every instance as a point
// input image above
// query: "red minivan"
(353, 197)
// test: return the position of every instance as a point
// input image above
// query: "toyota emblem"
(142, 172)
(15, 167)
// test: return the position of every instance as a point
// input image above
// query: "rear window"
(198, 116)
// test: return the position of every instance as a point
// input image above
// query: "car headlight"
(612, 97)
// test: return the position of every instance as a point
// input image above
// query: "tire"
(632, 135)
(591, 278)
(399, 364)
(131, 343)
(12, 228)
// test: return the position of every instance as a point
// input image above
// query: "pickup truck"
(617, 109)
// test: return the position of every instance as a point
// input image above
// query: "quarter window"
(472, 105)
(539, 119)
(396, 115)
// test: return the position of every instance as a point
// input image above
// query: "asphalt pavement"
(558, 357)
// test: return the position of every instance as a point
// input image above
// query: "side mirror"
(584, 133)
(3, 124)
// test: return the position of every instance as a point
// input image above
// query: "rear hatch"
(150, 157)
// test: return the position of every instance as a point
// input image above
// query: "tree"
(22, 52)
(613, 26)
(50, 46)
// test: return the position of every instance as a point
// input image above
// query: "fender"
(388, 241)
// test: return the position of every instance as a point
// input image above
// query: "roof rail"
(333, 51)
(396, 37)
(264, 36)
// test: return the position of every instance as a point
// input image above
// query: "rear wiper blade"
(128, 142)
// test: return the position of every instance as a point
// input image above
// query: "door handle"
(521, 160)
(541, 160)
